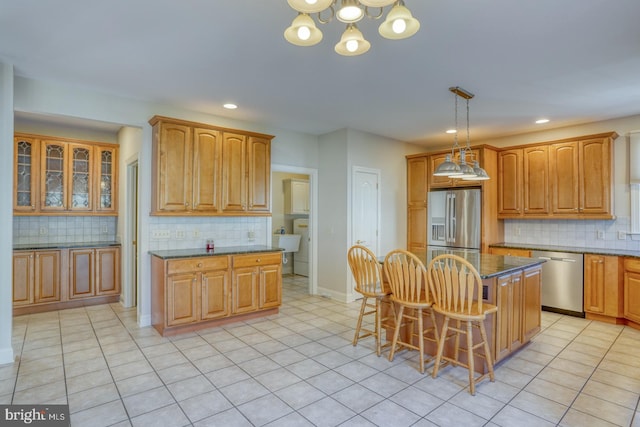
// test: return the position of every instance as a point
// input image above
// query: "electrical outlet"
(622, 235)
(44, 231)
(517, 231)
(105, 229)
(180, 234)
(251, 235)
(161, 234)
(600, 234)
(195, 234)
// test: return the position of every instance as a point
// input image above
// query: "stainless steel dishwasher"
(562, 282)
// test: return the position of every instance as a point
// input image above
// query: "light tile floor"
(298, 368)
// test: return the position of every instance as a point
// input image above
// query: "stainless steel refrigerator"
(453, 219)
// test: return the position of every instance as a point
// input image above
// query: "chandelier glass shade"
(398, 24)
(461, 169)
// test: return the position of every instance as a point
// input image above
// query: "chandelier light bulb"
(399, 26)
(352, 45)
(350, 12)
(304, 33)
(311, 1)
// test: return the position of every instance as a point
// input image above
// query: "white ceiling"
(573, 61)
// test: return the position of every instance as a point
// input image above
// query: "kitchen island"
(512, 284)
(193, 289)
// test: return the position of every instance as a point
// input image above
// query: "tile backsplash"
(63, 229)
(185, 233)
(578, 233)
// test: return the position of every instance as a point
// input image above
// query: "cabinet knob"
(199, 265)
(258, 260)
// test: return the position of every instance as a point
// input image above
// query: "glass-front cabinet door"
(80, 173)
(53, 179)
(25, 197)
(106, 182)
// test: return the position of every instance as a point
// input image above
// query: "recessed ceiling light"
(541, 121)
(230, 106)
(452, 131)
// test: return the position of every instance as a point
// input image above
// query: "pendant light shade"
(310, 6)
(303, 31)
(466, 171)
(377, 3)
(447, 168)
(350, 12)
(480, 174)
(400, 24)
(352, 42)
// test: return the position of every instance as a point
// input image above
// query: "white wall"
(6, 211)
(340, 151)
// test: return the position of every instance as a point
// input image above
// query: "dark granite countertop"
(201, 252)
(71, 245)
(488, 266)
(569, 249)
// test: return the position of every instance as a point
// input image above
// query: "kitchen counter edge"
(569, 249)
(71, 245)
(219, 251)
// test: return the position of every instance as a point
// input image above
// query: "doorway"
(306, 266)
(131, 241)
(365, 210)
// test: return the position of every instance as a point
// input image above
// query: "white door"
(365, 210)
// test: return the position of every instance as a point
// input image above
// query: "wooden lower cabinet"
(603, 287)
(632, 290)
(94, 272)
(198, 292)
(525, 253)
(518, 318)
(54, 279)
(509, 315)
(36, 277)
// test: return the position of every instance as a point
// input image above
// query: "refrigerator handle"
(446, 218)
(453, 217)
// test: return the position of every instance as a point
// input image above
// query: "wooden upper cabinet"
(595, 176)
(564, 159)
(536, 180)
(207, 150)
(106, 188)
(510, 182)
(564, 179)
(234, 173)
(259, 174)
(172, 155)
(417, 170)
(55, 176)
(581, 177)
(417, 187)
(26, 174)
(205, 170)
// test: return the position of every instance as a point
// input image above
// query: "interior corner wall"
(332, 215)
(6, 212)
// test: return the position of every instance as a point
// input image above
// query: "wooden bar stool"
(367, 273)
(457, 290)
(410, 290)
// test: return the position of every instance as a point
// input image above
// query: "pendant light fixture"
(399, 23)
(461, 169)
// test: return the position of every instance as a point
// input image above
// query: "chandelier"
(399, 23)
(466, 168)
